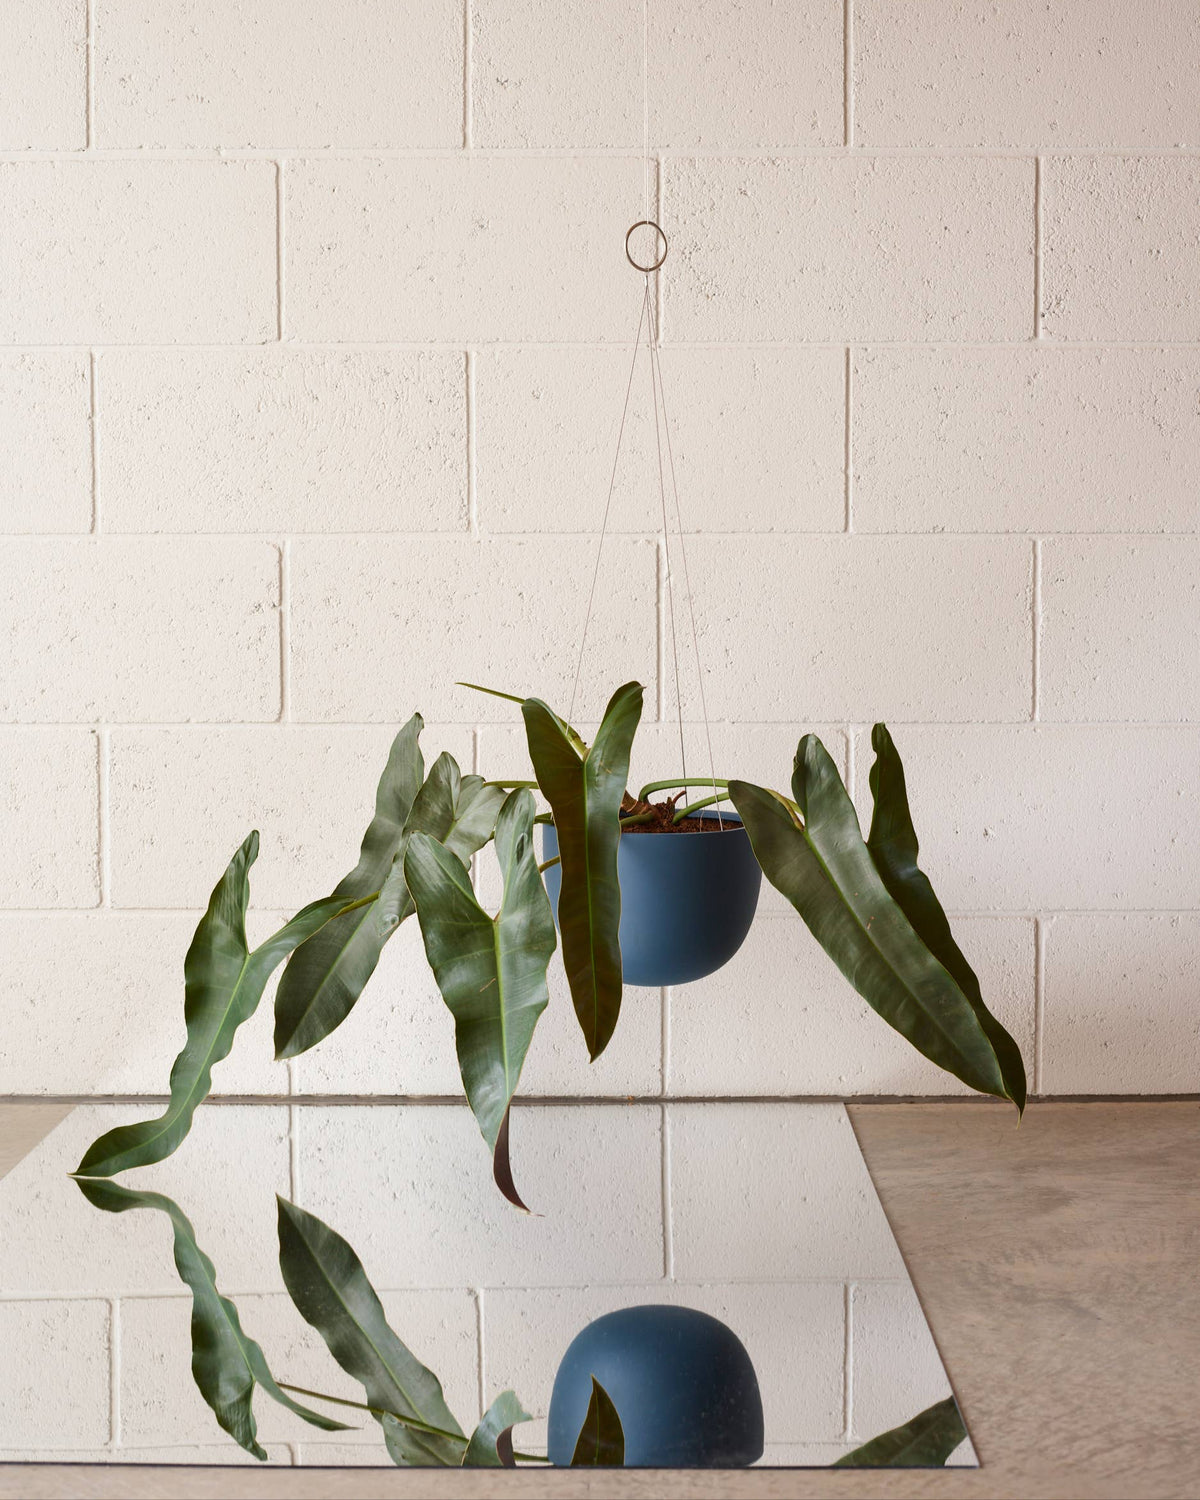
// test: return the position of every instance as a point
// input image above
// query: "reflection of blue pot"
(682, 1384)
(687, 900)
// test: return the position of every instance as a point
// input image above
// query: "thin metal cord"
(645, 113)
(662, 490)
(656, 355)
(637, 339)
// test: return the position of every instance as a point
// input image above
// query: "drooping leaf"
(601, 1440)
(223, 982)
(326, 1281)
(491, 1442)
(491, 972)
(459, 811)
(326, 974)
(226, 1363)
(924, 1443)
(892, 843)
(584, 793)
(814, 853)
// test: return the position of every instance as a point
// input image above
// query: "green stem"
(414, 1422)
(634, 819)
(572, 734)
(512, 786)
(686, 812)
(666, 786)
(544, 818)
(543, 868)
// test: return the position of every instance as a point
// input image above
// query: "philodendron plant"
(867, 903)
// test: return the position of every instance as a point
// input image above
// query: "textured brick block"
(1119, 624)
(1018, 439)
(380, 627)
(895, 1367)
(864, 627)
(1024, 74)
(1118, 247)
(1120, 1011)
(781, 1019)
(45, 443)
(570, 76)
(223, 1177)
(160, 1403)
(373, 1178)
(305, 75)
(181, 802)
(141, 252)
(399, 1038)
(861, 247)
(116, 978)
(440, 249)
(48, 818)
(283, 440)
(61, 1347)
(773, 1192)
(129, 628)
(1052, 816)
(43, 78)
(793, 1333)
(757, 437)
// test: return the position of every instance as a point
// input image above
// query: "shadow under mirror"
(701, 1285)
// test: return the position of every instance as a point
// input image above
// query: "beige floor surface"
(1057, 1265)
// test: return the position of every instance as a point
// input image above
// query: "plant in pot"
(677, 899)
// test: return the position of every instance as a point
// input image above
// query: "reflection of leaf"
(491, 972)
(924, 1443)
(327, 1283)
(226, 1363)
(813, 851)
(601, 1440)
(892, 844)
(584, 792)
(326, 974)
(223, 983)
(491, 1442)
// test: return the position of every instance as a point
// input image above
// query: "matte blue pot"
(682, 1383)
(687, 900)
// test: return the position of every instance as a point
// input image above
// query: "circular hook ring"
(646, 224)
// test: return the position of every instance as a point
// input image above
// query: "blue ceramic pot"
(687, 900)
(682, 1384)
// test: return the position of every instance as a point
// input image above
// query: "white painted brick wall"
(309, 375)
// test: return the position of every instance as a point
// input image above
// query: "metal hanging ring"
(646, 224)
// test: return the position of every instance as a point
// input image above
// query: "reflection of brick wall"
(762, 1214)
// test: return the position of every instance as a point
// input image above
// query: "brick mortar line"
(271, 534)
(507, 345)
(764, 154)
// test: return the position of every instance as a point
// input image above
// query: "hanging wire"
(662, 491)
(612, 483)
(656, 356)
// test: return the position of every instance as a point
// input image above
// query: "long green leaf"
(223, 983)
(226, 1362)
(326, 974)
(924, 1443)
(491, 1442)
(892, 843)
(585, 794)
(327, 1283)
(601, 1440)
(491, 973)
(459, 811)
(814, 853)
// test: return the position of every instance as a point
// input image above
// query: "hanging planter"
(642, 895)
(688, 897)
